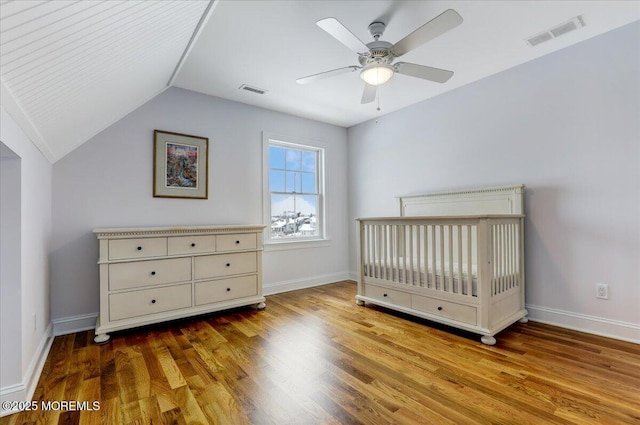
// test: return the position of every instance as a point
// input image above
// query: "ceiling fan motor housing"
(379, 52)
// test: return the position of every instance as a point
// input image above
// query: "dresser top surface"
(106, 233)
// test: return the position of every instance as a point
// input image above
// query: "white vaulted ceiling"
(71, 68)
(75, 67)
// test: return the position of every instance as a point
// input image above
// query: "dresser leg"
(101, 338)
(359, 302)
(261, 306)
(525, 319)
(488, 340)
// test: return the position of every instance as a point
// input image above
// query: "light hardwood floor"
(314, 357)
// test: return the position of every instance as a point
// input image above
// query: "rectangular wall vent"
(557, 31)
(252, 89)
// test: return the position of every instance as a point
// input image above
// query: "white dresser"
(149, 275)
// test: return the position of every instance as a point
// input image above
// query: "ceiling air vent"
(557, 31)
(252, 89)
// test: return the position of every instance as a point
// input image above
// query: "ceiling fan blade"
(369, 93)
(437, 26)
(326, 74)
(342, 34)
(425, 72)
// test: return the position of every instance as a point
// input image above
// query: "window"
(294, 204)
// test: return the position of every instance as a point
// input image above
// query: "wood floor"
(314, 357)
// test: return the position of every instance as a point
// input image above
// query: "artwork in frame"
(180, 165)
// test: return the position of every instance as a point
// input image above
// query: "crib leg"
(360, 302)
(525, 319)
(488, 340)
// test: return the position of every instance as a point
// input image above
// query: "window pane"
(308, 183)
(293, 216)
(281, 205)
(308, 161)
(293, 182)
(276, 181)
(307, 221)
(276, 157)
(293, 159)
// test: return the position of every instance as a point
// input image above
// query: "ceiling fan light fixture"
(377, 74)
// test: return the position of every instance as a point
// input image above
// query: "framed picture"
(180, 165)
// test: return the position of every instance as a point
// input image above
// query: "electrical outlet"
(602, 291)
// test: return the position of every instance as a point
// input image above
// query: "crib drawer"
(458, 312)
(387, 295)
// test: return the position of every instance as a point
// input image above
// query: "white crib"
(455, 258)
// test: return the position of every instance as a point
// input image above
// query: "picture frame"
(180, 165)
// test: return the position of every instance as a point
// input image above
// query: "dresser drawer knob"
(193, 245)
(139, 248)
(228, 289)
(228, 264)
(153, 301)
(237, 242)
(153, 273)
(384, 295)
(439, 308)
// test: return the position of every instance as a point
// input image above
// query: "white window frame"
(269, 139)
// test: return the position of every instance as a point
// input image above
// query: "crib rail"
(444, 253)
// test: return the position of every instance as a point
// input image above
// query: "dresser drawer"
(237, 242)
(149, 301)
(387, 295)
(459, 312)
(226, 289)
(191, 244)
(121, 249)
(146, 273)
(220, 265)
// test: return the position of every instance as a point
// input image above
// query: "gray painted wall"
(10, 270)
(567, 126)
(107, 182)
(28, 285)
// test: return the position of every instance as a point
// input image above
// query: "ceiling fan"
(376, 58)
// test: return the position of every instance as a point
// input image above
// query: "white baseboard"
(69, 325)
(353, 276)
(24, 390)
(292, 285)
(581, 322)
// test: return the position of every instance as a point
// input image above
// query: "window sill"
(281, 246)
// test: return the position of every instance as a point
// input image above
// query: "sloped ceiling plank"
(90, 62)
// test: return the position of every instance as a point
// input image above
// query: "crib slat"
(418, 258)
(379, 251)
(425, 254)
(373, 250)
(410, 241)
(371, 245)
(509, 257)
(384, 252)
(434, 265)
(397, 253)
(504, 258)
(442, 254)
(459, 285)
(499, 258)
(450, 258)
(493, 259)
(512, 250)
(469, 263)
